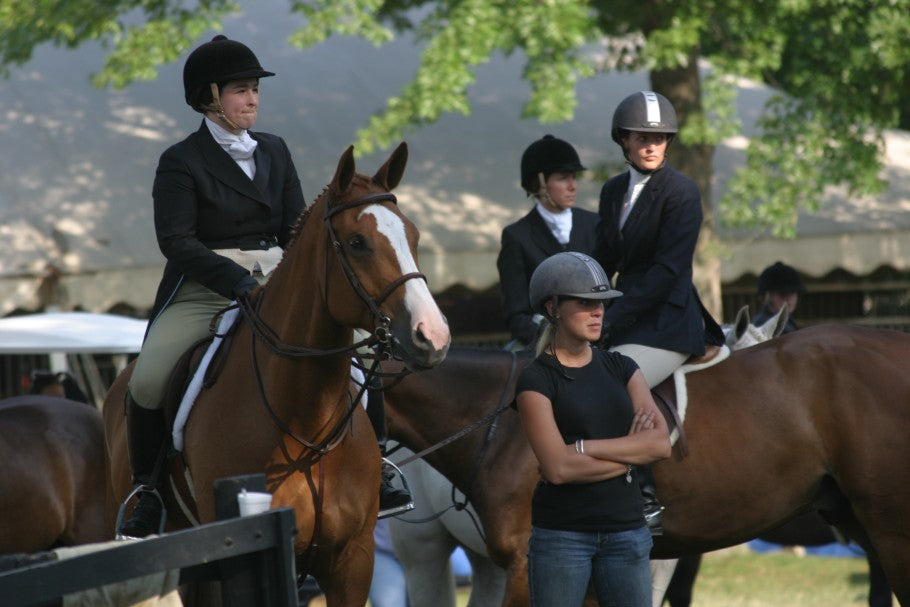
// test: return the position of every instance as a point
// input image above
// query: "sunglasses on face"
(588, 304)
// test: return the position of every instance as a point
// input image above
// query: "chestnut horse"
(52, 488)
(282, 403)
(813, 420)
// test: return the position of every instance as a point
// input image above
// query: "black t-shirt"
(594, 403)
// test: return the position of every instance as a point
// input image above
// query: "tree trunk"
(682, 86)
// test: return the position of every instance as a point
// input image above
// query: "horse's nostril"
(420, 337)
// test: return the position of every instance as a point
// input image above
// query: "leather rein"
(493, 420)
(380, 339)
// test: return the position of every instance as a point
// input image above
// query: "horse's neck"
(294, 302)
(434, 406)
(293, 306)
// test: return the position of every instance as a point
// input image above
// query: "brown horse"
(808, 529)
(52, 488)
(828, 433)
(283, 403)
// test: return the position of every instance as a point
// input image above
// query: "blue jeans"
(562, 563)
(388, 588)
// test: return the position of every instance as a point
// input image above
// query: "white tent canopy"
(75, 183)
(72, 340)
(71, 332)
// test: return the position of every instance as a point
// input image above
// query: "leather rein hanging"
(504, 403)
(380, 339)
(493, 420)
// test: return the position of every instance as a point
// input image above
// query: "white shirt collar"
(240, 147)
(637, 181)
(560, 223)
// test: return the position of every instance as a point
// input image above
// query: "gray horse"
(424, 548)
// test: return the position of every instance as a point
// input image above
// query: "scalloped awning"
(75, 190)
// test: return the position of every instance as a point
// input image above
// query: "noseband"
(381, 335)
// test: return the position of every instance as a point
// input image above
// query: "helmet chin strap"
(544, 196)
(219, 109)
(646, 171)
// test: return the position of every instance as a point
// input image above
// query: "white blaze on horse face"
(426, 318)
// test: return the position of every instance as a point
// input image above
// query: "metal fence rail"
(252, 556)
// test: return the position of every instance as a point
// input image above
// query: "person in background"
(226, 200)
(591, 422)
(549, 168)
(60, 384)
(388, 588)
(778, 285)
(650, 218)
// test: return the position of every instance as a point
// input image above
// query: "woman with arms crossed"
(591, 422)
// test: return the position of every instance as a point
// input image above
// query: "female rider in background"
(549, 167)
(650, 218)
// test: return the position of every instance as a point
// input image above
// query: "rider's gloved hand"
(244, 286)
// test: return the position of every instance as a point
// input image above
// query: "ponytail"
(546, 336)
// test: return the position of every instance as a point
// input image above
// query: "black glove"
(243, 288)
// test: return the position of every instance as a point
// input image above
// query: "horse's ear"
(389, 175)
(344, 174)
(742, 322)
(781, 318)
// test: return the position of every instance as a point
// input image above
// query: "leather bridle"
(380, 339)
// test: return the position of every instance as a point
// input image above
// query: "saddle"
(186, 367)
(666, 398)
(170, 464)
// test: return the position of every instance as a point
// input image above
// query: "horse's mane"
(358, 179)
(301, 220)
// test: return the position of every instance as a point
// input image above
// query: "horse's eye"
(357, 242)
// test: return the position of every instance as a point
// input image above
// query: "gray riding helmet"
(644, 111)
(569, 274)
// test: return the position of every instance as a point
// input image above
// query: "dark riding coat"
(653, 255)
(525, 244)
(204, 201)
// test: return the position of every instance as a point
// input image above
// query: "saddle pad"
(679, 381)
(195, 385)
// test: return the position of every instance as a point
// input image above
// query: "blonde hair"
(546, 336)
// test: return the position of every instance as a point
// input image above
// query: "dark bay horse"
(53, 479)
(424, 547)
(808, 529)
(283, 402)
(827, 433)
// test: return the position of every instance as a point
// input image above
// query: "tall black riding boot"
(146, 432)
(392, 500)
(653, 507)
